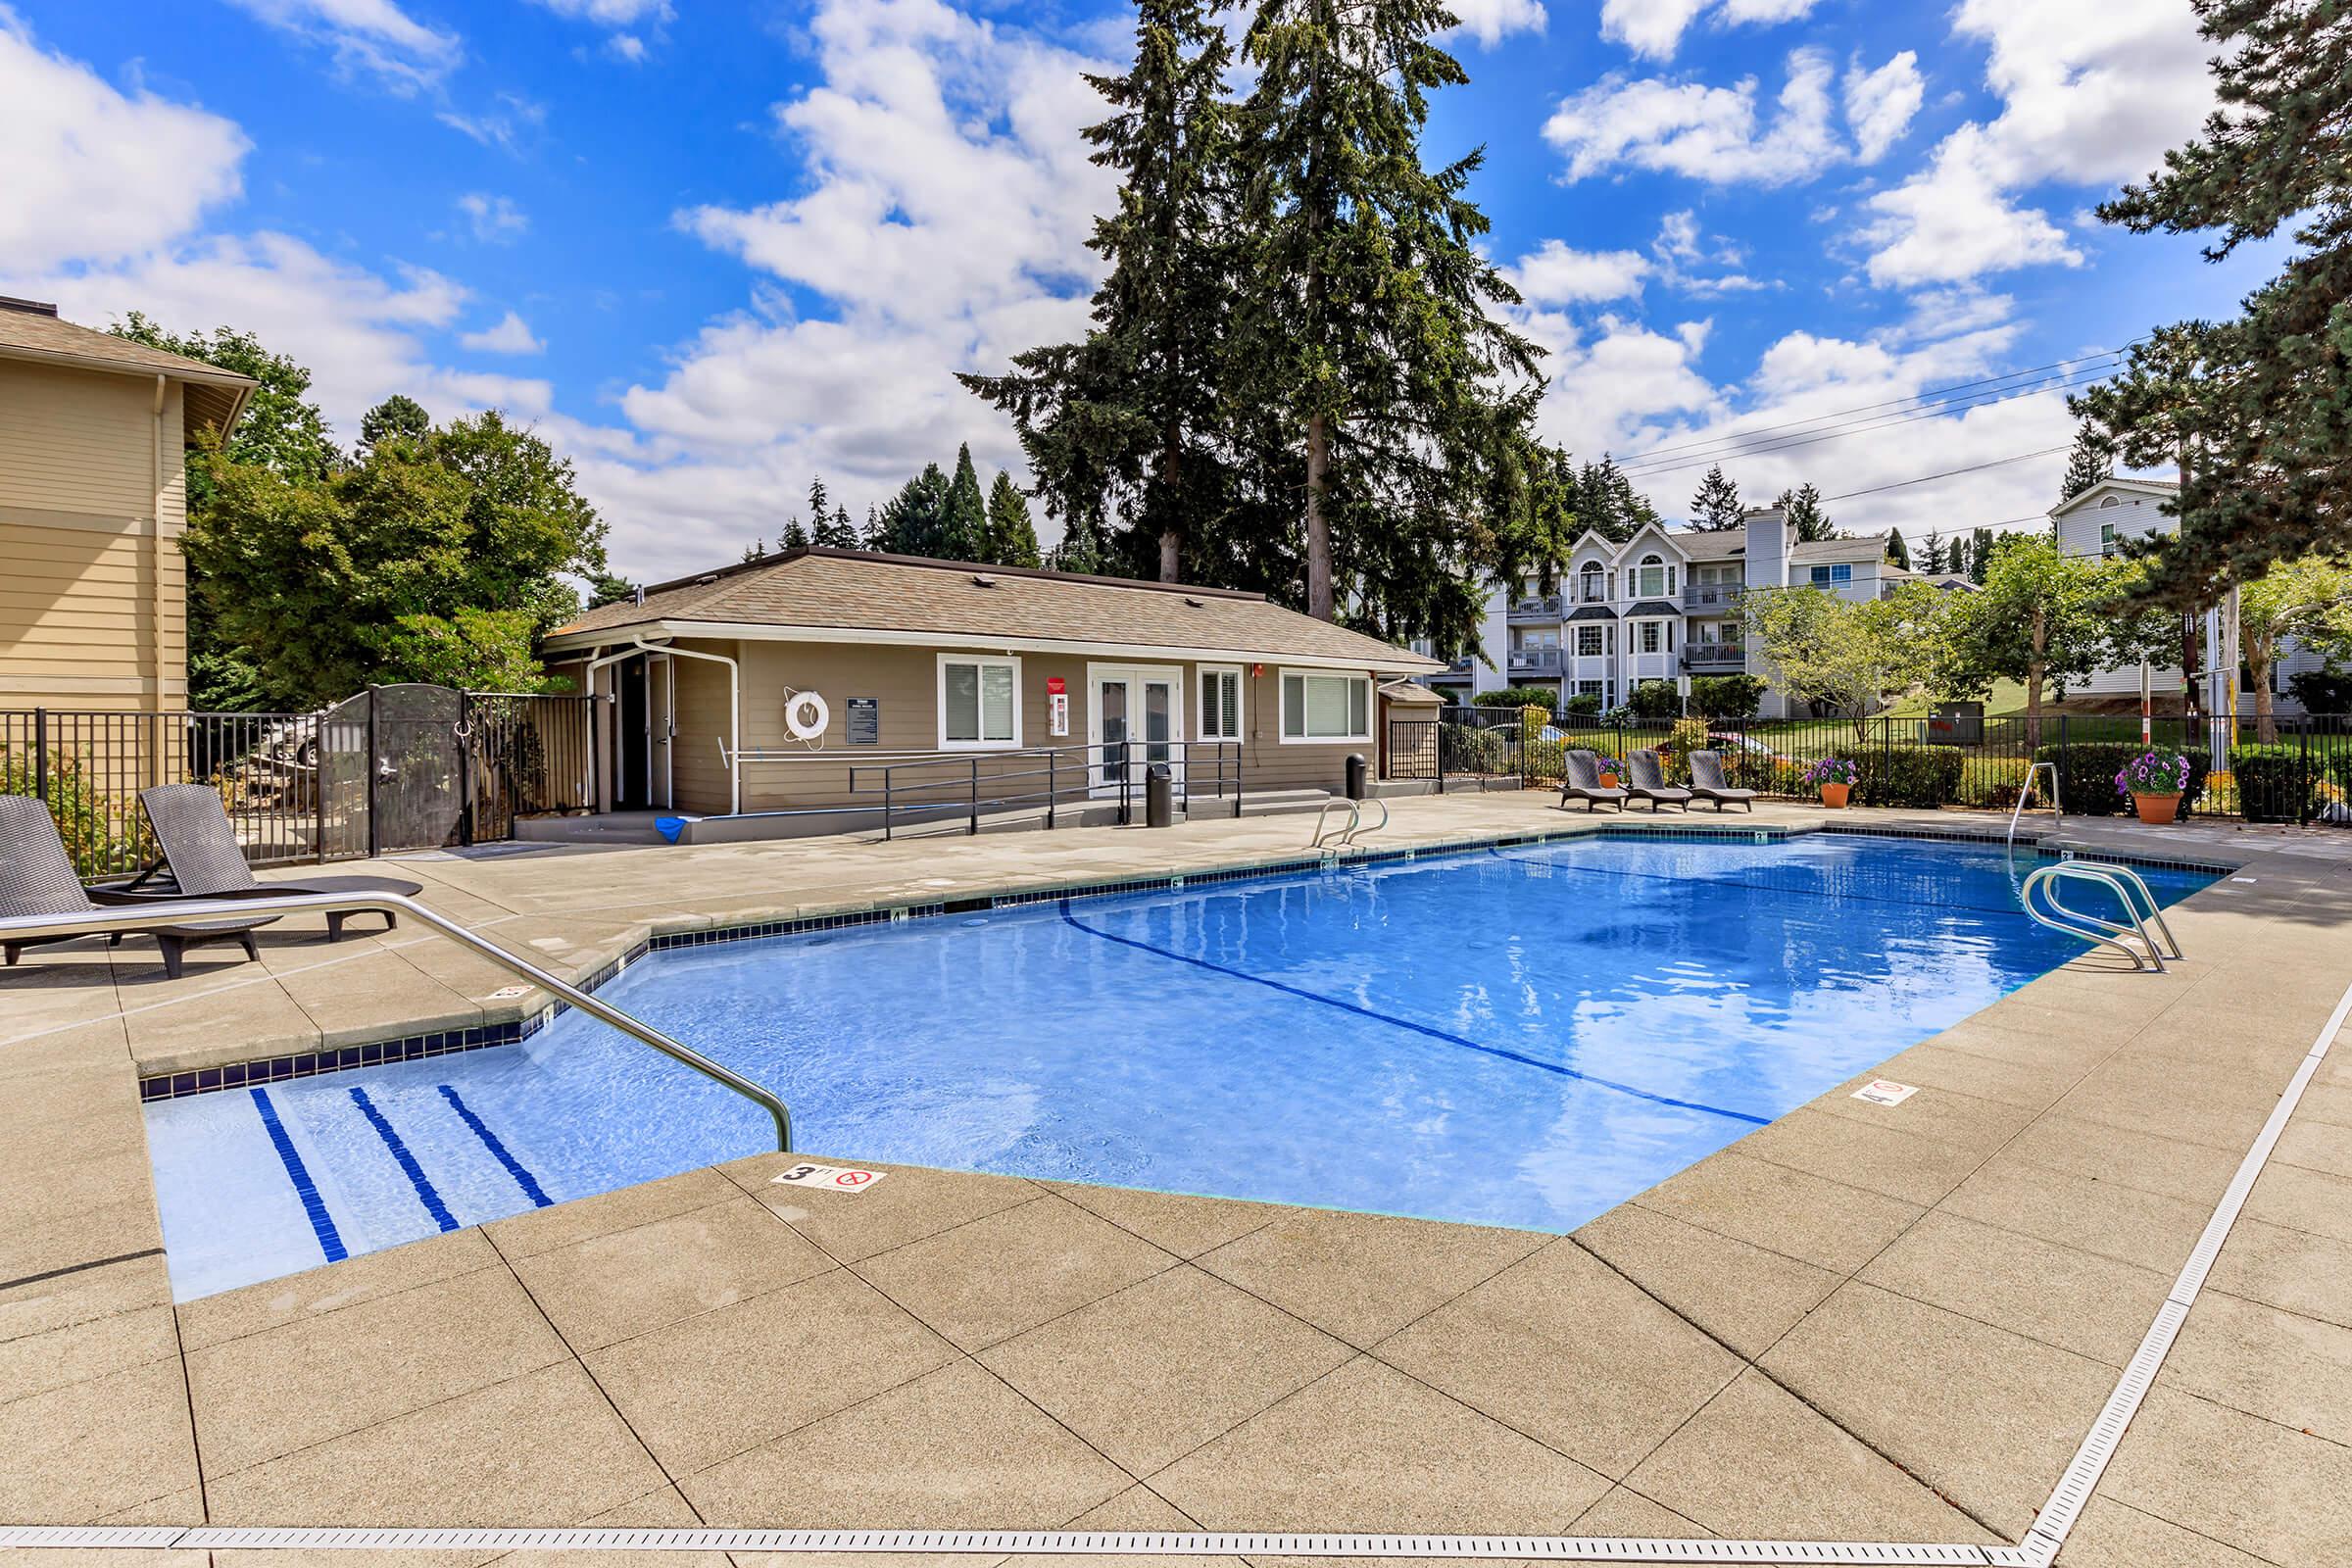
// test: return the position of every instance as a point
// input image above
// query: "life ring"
(806, 715)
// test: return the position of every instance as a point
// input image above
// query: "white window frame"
(1205, 720)
(1648, 644)
(1282, 697)
(1597, 650)
(1012, 662)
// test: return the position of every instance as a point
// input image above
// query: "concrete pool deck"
(1860, 1322)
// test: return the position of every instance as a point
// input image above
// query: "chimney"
(8, 302)
(1765, 530)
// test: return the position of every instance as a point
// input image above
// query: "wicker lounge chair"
(1649, 782)
(201, 853)
(37, 877)
(1583, 784)
(1706, 782)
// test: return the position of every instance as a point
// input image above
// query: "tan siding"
(698, 778)
(92, 603)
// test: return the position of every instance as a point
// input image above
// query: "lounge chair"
(1583, 784)
(201, 856)
(37, 877)
(1649, 782)
(1706, 782)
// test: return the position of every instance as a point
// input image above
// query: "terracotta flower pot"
(2156, 808)
(1608, 781)
(1834, 796)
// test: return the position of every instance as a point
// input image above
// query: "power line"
(1940, 394)
(1974, 467)
(1639, 471)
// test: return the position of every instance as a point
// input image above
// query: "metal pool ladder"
(2125, 883)
(2057, 812)
(1347, 833)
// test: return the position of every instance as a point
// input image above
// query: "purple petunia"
(2154, 772)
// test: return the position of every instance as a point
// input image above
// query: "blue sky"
(711, 248)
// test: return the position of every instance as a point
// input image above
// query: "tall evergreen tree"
(1083, 548)
(1607, 502)
(1132, 416)
(2085, 465)
(835, 531)
(1980, 554)
(1932, 559)
(1369, 324)
(1898, 550)
(1807, 522)
(2257, 409)
(965, 535)
(1011, 537)
(399, 418)
(1716, 506)
(796, 537)
(877, 532)
(1956, 561)
(915, 523)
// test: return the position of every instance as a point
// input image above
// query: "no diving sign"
(1885, 1091)
(833, 1177)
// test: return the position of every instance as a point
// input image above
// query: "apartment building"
(1662, 606)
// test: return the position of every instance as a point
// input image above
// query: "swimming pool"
(1517, 1036)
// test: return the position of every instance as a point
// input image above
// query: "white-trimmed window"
(1649, 637)
(979, 703)
(1587, 642)
(1650, 578)
(1831, 576)
(2107, 544)
(1590, 585)
(1220, 712)
(1317, 707)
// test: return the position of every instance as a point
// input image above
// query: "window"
(1589, 590)
(1325, 707)
(1587, 642)
(1650, 636)
(1650, 578)
(1220, 716)
(2106, 538)
(979, 703)
(1826, 577)
(1588, 688)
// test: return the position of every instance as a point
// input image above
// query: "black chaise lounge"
(1649, 782)
(1706, 782)
(37, 877)
(1583, 784)
(204, 862)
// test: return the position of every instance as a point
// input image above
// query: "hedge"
(1726, 696)
(2275, 783)
(1918, 776)
(2086, 772)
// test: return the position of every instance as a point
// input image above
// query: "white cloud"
(494, 220)
(1879, 104)
(626, 47)
(1683, 256)
(371, 35)
(1710, 133)
(1957, 221)
(508, 123)
(1489, 21)
(512, 336)
(611, 13)
(1655, 27)
(1554, 274)
(93, 172)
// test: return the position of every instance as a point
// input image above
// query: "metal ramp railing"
(2125, 883)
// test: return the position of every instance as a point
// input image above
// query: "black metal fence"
(393, 768)
(2291, 769)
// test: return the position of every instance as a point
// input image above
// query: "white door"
(1135, 719)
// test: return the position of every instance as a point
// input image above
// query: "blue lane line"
(498, 1151)
(1416, 1028)
(323, 1224)
(407, 1161)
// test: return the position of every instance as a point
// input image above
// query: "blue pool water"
(1523, 1036)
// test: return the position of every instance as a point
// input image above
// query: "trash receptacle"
(1358, 772)
(1160, 796)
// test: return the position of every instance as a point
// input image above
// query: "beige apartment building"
(93, 483)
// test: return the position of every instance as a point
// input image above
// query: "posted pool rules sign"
(832, 1178)
(1058, 704)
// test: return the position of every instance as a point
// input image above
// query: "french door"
(1134, 716)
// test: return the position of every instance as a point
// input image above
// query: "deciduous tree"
(2308, 599)
(2042, 620)
(1850, 657)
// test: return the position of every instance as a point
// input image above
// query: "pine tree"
(2256, 410)
(1980, 554)
(877, 532)
(1132, 415)
(965, 535)
(2087, 464)
(1607, 502)
(1391, 408)
(1083, 548)
(1011, 537)
(1898, 551)
(821, 505)
(915, 523)
(837, 532)
(794, 537)
(1716, 506)
(757, 550)
(1807, 522)
(1933, 561)
(1955, 563)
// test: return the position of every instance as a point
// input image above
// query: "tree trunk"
(2188, 664)
(1319, 526)
(2034, 674)
(2258, 669)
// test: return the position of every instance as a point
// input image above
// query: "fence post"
(465, 768)
(317, 786)
(40, 753)
(1050, 789)
(372, 767)
(2306, 788)
(2064, 771)
(972, 828)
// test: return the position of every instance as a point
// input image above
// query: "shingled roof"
(866, 596)
(30, 329)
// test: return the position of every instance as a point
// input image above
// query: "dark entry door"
(632, 789)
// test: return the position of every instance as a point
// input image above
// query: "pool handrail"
(102, 921)
(1356, 814)
(2123, 882)
(2025, 793)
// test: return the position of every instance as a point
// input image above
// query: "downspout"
(155, 598)
(638, 645)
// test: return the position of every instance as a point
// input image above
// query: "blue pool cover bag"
(670, 827)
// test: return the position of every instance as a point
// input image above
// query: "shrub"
(2322, 691)
(1726, 696)
(1584, 705)
(1674, 751)
(2086, 772)
(1656, 699)
(1467, 748)
(2275, 783)
(1992, 781)
(1516, 697)
(101, 835)
(1922, 777)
